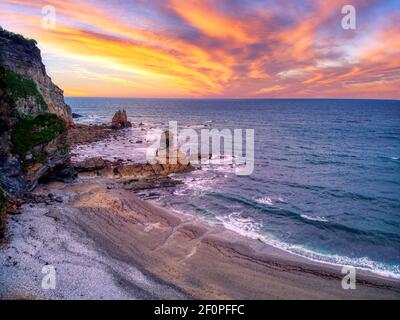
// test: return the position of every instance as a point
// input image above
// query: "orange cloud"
(195, 48)
(203, 16)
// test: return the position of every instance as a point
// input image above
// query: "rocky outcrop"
(76, 115)
(32, 148)
(120, 120)
(137, 171)
(168, 160)
(26, 80)
(33, 119)
(130, 171)
(80, 134)
(90, 164)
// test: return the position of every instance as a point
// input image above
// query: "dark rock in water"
(91, 164)
(139, 141)
(76, 116)
(120, 120)
(150, 183)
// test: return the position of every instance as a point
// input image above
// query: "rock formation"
(120, 120)
(90, 164)
(130, 171)
(33, 119)
(26, 79)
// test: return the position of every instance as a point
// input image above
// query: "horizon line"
(229, 98)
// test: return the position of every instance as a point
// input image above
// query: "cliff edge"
(21, 60)
(34, 120)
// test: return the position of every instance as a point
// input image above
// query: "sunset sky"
(216, 49)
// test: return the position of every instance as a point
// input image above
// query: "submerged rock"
(150, 183)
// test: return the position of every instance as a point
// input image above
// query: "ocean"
(326, 183)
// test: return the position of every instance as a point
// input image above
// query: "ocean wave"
(269, 201)
(336, 193)
(316, 218)
(265, 200)
(368, 234)
(196, 183)
(249, 227)
(245, 226)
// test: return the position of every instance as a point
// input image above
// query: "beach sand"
(109, 244)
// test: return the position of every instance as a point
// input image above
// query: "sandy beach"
(106, 243)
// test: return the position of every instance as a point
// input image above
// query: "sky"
(215, 49)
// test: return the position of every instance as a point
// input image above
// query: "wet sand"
(108, 243)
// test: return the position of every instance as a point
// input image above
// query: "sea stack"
(120, 120)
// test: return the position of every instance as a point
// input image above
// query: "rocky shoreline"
(130, 175)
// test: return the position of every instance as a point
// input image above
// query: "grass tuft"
(30, 132)
(18, 87)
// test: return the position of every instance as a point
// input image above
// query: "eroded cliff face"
(21, 59)
(33, 120)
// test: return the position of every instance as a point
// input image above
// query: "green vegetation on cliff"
(30, 132)
(18, 87)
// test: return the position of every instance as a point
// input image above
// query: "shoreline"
(262, 238)
(180, 256)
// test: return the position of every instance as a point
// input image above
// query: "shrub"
(18, 87)
(30, 132)
(16, 36)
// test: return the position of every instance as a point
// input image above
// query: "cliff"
(33, 121)
(22, 63)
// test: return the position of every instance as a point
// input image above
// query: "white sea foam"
(246, 226)
(265, 200)
(269, 200)
(249, 227)
(196, 184)
(125, 147)
(315, 218)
